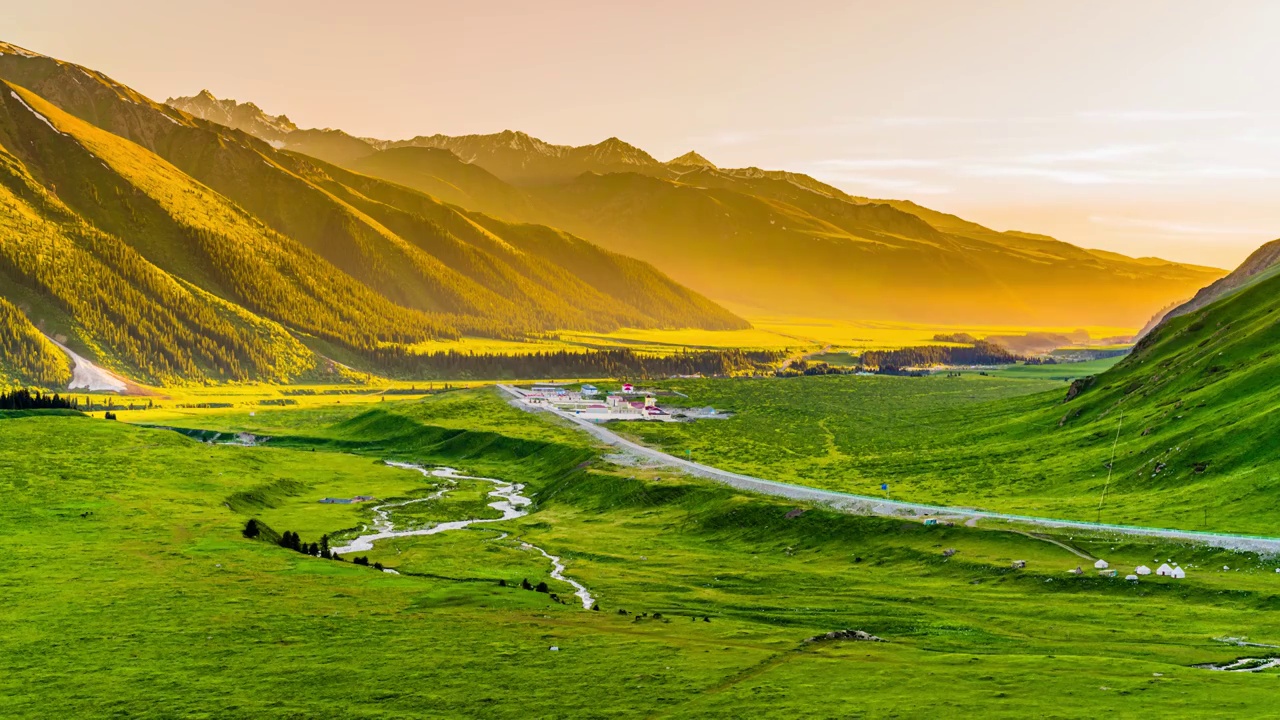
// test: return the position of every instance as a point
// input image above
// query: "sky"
(1145, 127)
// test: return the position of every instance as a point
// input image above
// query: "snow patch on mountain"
(43, 119)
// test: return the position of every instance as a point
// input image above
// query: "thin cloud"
(728, 138)
(1163, 115)
(1186, 175)
(1108, 153)
(1174, 228)
(942, 120)
(880, 163)
(1059, 175)
(880, 183)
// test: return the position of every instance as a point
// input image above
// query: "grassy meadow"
(131, 592)
(1060, 371)
(992, 442)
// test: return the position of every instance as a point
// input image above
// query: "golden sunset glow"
(1142, 127)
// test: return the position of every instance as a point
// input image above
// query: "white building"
(1178, 573)
(1164, 570)
(1101, 565)
(1142, 570)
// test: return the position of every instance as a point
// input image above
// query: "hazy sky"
(1145, 127)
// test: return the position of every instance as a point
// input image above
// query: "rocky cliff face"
(241, 116)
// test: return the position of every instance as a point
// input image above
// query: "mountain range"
(168, 247)
(206, 240)
(765, 242)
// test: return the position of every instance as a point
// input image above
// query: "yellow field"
(489, 346)
(179, 402)
(768, 333)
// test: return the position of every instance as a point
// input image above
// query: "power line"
(1110, 466)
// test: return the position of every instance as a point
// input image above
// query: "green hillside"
(182, 249)
(1198, 390)
(1168, 437)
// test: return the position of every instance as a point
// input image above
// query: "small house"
(1164, 570)
(587, 390)
(1178, 573)
(1101, 565)
(1142, 570)
(1132, 577)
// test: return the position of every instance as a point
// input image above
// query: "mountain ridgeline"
(1260, 265)
(168, 247)
(771, 242)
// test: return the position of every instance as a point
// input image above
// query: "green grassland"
(130, 591)
(996, 443)
(1060, 371)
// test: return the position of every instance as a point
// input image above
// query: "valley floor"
(884, 506)
(131, 591)
(995, 443)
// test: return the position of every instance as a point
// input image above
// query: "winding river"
(511, 504)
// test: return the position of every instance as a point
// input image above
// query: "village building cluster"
(589, 403)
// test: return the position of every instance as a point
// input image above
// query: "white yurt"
(1142, 570)
(1164, 570)
(1178, 573)
(1101, 565)
(1131, 577)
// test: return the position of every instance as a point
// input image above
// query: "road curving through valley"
(867, 505)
